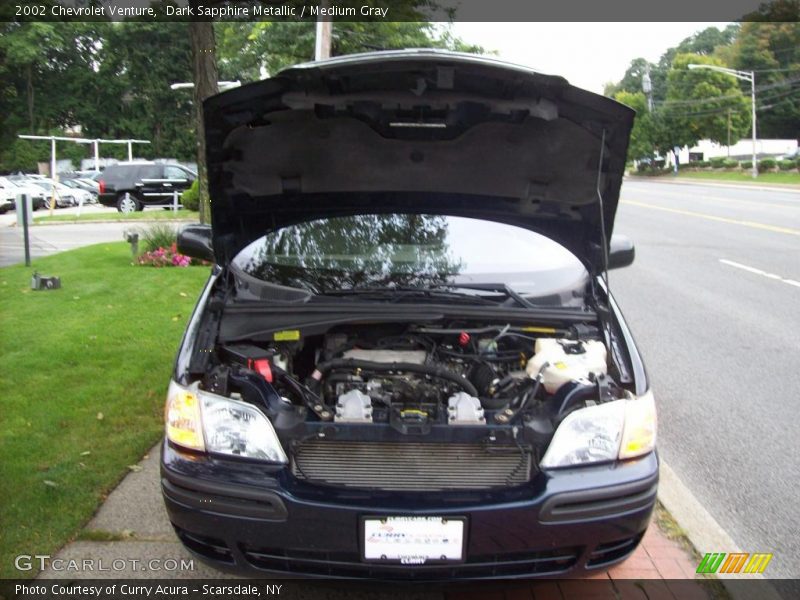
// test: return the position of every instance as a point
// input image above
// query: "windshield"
(399, 250)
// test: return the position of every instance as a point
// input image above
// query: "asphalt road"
(57, 237)
(713, 299)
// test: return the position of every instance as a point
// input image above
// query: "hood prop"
(603, 311)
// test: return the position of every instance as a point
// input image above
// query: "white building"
(742, 150)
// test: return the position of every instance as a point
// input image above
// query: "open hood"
(415, 131)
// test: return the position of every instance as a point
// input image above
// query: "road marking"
(691, 213)
(759, 272)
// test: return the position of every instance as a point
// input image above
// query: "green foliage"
(158, 235)
(745, 176)
(746, 164)
(729, 163)
(245, 50)
(699, 101)
(642, 144)
(695, 105)
(718, 162)
(766, 164)
(190, 198)
(111, 79)
(23, 155)
(773, 50)
(786, 165)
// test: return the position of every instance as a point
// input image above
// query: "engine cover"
(387, 356)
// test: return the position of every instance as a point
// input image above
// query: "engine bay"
(415, 377)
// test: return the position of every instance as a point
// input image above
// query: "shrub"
(159, 235)
(191, 197)
(787, 165)
(718, 162)
(729, 163)
(746, 164)
(766, 164)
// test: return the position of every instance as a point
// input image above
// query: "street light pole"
(744, 76)
(753, 102)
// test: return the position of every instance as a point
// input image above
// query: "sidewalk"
(671, 179)
(132, 528)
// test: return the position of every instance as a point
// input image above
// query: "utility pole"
(753, 103)
(322, 45)
(729, 133)
(647, 88)
(53, 175)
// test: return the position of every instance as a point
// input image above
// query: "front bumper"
(255, 519)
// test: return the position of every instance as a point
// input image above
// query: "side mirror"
(195, 241)
(621, 252)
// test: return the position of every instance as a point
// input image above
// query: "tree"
(772, 50)
(704, 104)
(631, 81)
(249, 51)
(643, 136)
(204, 68)
(131, 97)
(707, 42)
(46, 70)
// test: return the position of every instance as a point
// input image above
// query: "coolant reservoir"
(569, 360)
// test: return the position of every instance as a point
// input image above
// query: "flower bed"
(166, 257)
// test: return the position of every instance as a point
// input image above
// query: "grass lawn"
(781, 177)
(84, 374)
(155, 215)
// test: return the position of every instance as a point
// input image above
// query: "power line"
(761, 88)
(797, 68)
(769, 98)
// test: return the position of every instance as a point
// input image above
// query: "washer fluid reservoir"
(569, 360)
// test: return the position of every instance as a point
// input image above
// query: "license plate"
(414, 540)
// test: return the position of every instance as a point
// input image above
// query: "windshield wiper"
(399, 293)
(438, 292)
(495, 287)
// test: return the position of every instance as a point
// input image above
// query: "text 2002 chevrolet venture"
(406, 363)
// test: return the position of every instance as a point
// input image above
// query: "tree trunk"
(204, 67)
(29, 91)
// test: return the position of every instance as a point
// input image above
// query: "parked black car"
(132, 186)
(406, 363)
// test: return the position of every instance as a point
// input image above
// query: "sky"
(588, 55)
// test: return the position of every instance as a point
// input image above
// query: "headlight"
(618, 429)
(203, 421)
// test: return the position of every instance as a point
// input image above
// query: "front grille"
(411, 466)
(349, 565)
